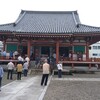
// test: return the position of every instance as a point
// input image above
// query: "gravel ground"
(74, 90)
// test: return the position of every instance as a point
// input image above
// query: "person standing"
(1, 75)
(15, 54)
(10, 67)
(11, 54)
(27, 59)
(25, 67)
(4, 53)
(19, 70)
(60, 68)
(46, 71)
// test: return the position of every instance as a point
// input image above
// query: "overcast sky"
(88, 10)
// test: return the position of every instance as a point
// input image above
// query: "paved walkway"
(26, 89)
(29, 88)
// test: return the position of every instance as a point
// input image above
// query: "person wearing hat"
(46, 71)
(60, 68)
(1, 75)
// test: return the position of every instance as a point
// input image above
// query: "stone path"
(25, 89)
(66, 88)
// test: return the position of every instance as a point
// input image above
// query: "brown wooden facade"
(54, 40)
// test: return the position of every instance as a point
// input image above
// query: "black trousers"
(0, 81)
(44, 79)
(9, 75)
(19, 75)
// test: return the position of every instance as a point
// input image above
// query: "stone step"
(35, 71)
(64, 72)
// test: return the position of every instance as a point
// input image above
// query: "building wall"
(94, 50)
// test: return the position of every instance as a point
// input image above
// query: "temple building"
(43, 33)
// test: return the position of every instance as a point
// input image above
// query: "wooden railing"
(81, 63)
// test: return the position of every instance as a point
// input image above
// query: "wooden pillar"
(71, 44)
(57, 51)
(28, 48)
(18, 47)
(72, 51)
(87, 51)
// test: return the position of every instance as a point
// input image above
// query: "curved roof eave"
(56, 26)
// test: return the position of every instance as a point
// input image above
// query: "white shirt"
(26, 65)
(54, 55)
(69, 55)
(27, 59)
(10, 65)
(15, 53)
(59, 66)
(20, 58)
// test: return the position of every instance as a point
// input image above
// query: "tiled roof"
(48, 22)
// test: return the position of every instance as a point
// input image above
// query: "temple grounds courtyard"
(70, 87)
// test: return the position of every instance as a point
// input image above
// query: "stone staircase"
(64, 72)
(35, 71)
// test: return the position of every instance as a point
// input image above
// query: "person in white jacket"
(60, 68)
(46, 71)
(27, 59)
(10, 67)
